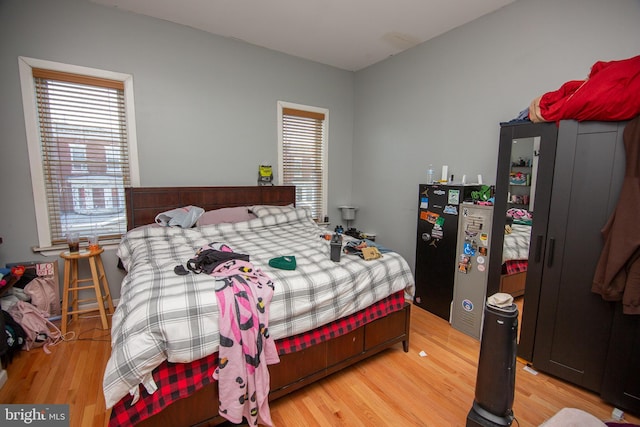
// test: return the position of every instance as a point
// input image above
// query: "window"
(302, 154)
(113, 159)
(81, 138)
(78, 154)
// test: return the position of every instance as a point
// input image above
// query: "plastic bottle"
(430, 175)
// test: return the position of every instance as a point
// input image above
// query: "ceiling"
(347, 34)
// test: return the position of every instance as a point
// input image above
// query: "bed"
(515, 256)
(370, 315)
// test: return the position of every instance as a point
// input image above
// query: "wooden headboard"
(144, 203)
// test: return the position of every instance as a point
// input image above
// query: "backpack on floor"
(12, 335)
(39, 331)
(44, 294)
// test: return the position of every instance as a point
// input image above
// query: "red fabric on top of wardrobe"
(610, 93)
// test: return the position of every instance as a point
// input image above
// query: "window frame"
(29, 103)
(282, 105)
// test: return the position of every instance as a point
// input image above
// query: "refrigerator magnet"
(451, 210)
(424, 203)
(454, 197)
(464, 265)
(470, 235)
(469, 249)
(432, 217)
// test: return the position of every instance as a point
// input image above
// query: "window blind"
(302, 157)
(85, 155)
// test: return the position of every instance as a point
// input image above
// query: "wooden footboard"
(297, 370)
(513, 284)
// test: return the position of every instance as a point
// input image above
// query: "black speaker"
(496, 378)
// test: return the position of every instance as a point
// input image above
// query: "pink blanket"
(244, 294)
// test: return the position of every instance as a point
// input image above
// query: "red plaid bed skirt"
(178, 380)
(515, 266)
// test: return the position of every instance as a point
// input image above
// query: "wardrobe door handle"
(538, 248)
(552, 244)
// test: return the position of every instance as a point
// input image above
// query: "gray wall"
(205, 105)
(441, 102)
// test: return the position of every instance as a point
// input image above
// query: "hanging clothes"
(617, 276)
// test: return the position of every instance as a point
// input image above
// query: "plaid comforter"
(165, 316)
(516, 244)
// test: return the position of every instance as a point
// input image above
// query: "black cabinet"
(437, 233)
(566, 328)
(621, 383)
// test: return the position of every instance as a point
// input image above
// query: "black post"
(495, 381)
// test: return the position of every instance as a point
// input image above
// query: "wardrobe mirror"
(525, 167)
(520, 205)
(514, 210)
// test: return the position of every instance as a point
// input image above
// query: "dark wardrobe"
(567, 330)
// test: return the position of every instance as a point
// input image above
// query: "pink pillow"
(229, 215)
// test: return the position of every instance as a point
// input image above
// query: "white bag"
(184, 217)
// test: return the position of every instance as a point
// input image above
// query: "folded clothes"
(355, 247)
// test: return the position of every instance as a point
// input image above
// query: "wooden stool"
(72, 285)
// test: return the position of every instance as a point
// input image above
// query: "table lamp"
(348, 214)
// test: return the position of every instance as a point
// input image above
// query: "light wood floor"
(391, 389)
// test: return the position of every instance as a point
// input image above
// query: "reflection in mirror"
(520, 207)
(522, 177)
